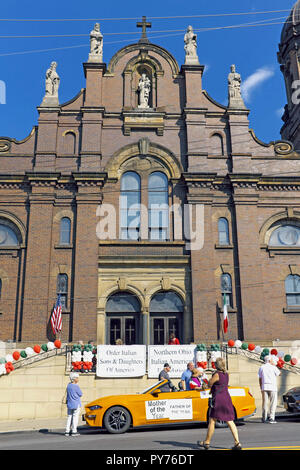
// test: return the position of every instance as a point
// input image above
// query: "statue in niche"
(190, 47)
(235, 99)
(96, 44)
(51, 86)
(144, 88)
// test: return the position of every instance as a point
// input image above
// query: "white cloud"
(253, 81)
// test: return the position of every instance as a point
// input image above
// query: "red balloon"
(231, 343)
(57, 343)
(274, 352)
(16, 355)
(37, 348)
(9, 367)
(251, 347)
(294, 361)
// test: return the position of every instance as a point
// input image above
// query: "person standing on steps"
(222, 407)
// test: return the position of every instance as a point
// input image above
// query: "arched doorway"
(166, 317)
(123, 312)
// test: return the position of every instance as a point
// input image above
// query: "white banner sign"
(169, 409)
(177, 356)
(121, 361)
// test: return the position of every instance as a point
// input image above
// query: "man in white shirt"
(268, 374)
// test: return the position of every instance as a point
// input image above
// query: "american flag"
(56, 317)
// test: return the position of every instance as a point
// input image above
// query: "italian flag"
(225, 314)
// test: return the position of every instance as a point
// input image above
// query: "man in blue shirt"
(186, 376)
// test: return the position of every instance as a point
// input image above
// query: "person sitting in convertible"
(199, 380)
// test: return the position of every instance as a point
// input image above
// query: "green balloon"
(44, 347)
(244, 346)
(287, 358)
(23, 354)
(2, 360)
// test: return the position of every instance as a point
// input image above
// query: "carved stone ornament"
(5, 145)
(122, 283)
(283, 148)
(144, 146)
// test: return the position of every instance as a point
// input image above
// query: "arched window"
(8, 236)
(158, 207)
(223, 230)
(226, 289)
(65, 231)
(62, 289)
(217, 146)
(122, 318)
(166, 312)
(285, 235)
(130, 210)
(292, 290)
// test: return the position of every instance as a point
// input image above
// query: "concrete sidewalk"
(52, 424)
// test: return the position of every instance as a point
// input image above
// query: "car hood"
(113, 398)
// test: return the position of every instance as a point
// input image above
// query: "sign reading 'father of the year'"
(176, 356)
(121, 361)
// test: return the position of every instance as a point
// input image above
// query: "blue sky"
(23, 61)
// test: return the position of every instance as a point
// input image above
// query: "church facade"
(145, 205)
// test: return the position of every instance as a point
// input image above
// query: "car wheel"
(117, 420)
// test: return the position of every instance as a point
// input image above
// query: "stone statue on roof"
(235, 99)
(52, 81)
(96, 45)
(190, 47)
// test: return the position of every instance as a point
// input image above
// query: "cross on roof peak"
(144, 24)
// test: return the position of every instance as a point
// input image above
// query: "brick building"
(143, 215)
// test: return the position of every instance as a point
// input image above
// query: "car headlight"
(95, 407)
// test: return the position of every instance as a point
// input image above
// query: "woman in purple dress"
(222, 405)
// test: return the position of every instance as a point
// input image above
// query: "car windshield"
(151, 386)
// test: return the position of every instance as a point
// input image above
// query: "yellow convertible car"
(117, 413)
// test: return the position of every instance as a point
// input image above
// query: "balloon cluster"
(83, 358)
(280, 356)
(201, 355)
(6, 363)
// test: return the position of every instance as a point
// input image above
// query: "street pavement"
(254, 435)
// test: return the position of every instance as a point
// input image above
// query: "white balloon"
(29, 351)
(50, 345)
(9, 358)
(238, 343)
(281, 354)
(258, 349)
(2, 369)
